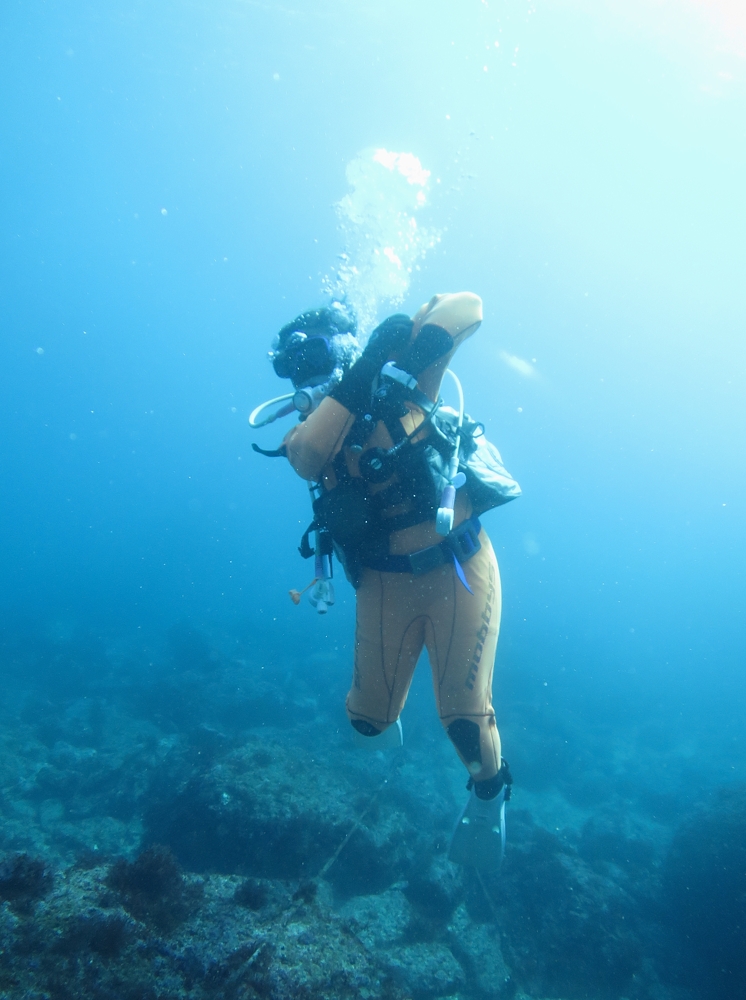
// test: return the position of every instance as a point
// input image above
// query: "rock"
(566, 928)
(269, 810)
(704, 895)
(378, 921)
(153, 889)
(84, 944)
(479, 951)
(424, 970)
(23, 881)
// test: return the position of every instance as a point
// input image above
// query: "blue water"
(169, 174)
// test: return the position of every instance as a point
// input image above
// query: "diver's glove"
(431, 344)
(389, 338)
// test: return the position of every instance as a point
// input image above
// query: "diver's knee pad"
(368, 737)
(466, 737)
(365, 728)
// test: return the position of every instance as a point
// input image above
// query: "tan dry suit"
(398, 613)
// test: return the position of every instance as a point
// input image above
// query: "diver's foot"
(479, 838)
(388, 739)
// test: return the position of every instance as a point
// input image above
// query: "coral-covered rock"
(566, 928)
(425, 970)
(270, 810)
(704, 892)
(153, 889)
(478, 949)
(253, 893)
(24, 880)
(85, 945)
(378, 921)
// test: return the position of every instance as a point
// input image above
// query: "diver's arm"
(312, 444)
(460, 315)
(316, 440)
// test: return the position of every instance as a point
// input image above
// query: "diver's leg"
(461, 640)
(388, 641)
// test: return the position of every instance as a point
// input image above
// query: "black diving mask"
(304, 360)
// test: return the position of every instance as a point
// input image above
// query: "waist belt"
(458, 547)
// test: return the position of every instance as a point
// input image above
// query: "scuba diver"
(398, 482)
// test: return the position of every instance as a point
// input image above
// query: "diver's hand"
(389, 338)
(459, 314)
(432, 343)
(355, 389)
